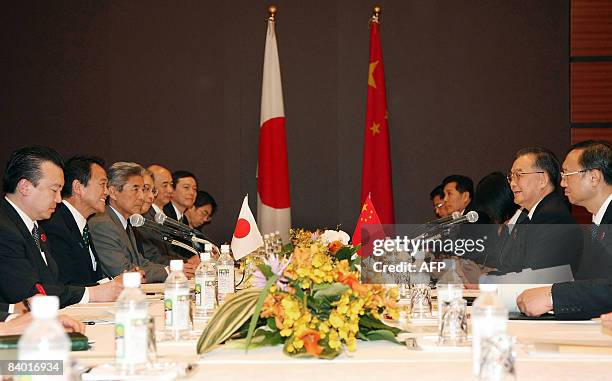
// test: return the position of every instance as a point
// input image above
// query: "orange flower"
(352, 281)
(310, 337)
(335, 246)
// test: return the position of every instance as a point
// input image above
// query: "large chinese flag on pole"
(273, 206)
(376, 178)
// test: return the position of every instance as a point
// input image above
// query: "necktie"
(594, 231)
(523, 218)
(36, 236)
(86, 238)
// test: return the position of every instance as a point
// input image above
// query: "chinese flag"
(368, 228)
(376, 178)
(273, 203)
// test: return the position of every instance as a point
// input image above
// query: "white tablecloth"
(377, 360)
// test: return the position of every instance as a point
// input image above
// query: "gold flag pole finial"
(376, 14)
(272, 11)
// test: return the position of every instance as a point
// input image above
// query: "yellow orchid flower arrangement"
(310, 299)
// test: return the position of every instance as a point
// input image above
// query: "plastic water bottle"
(131, 330)
(45, 338)
(225, 274)
(205, 287)
(450, 287)
(177, 302)
(489, 319)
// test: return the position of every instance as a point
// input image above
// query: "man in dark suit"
(84, 194)
(111, 232)
(32, 181)
(587, 179)
(546, 235)
(458, 193)
(149, 241)
(183, 197)
(162, 181)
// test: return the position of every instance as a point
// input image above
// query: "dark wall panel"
(179, 83)
(591, 28)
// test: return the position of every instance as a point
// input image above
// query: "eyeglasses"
(565, 174)
(438, 206)
(517, 175)
(153, 191)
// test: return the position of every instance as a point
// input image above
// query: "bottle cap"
(225, 248)
(45, 307)
(488, 287)
(205, 256)
(208, 247)
(131, 280)
(176, 265)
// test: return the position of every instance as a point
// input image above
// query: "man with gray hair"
(111, 231)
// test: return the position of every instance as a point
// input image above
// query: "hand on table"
(606, 320)
(106, 292)
(189, 269)
(19, 324)
(535, 301)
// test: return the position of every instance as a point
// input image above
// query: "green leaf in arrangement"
(257, 310)
(382, 334)
(228, 319)
(368, 323)
(344, 253)
(265, 270)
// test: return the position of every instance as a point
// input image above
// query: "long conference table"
(545, 350)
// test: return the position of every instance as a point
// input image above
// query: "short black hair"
(545, 160)
(25, 163)
(596, 154)
(78, 168)
(464, 184)
(181, 174)
(437, 191)
(495, 198)
(204, 198)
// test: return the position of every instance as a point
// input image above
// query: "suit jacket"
(4, 311)
(22, 265)
(551, 238)
(117, 251)
(582, 299)
(69, 250)
(170, 212)
(151, 245)
(597, 257)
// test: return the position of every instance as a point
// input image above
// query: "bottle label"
(131, 339)
(226, 279)
(199, 281)
(176, 306)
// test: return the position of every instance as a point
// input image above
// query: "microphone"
(137, 220)
(471, 217)
(456, 219)
(443, 220)
(189, 233)
(166, 221)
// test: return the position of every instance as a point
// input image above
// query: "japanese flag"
(247, 237)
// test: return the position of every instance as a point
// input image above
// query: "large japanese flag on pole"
(247, 237)
(273, 205)
(376, 177)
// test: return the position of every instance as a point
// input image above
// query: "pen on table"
(89, 322)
